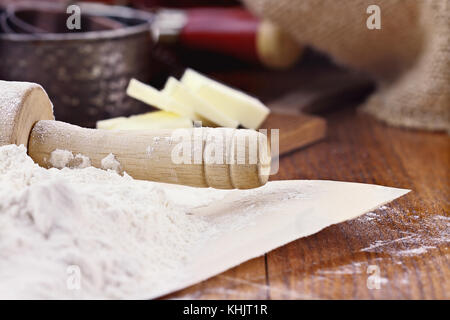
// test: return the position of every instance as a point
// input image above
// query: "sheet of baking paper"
(270, 217)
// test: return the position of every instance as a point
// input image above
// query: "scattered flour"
(416, 235)
(111, 163)
(62, 158)
(149, 151)
(81, 162)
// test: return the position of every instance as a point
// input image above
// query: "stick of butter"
(182, 94)
(249, 111)
(154, 97)
(149, 120)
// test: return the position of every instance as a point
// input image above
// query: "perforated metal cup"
(84, 73)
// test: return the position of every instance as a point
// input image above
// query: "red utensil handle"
(236, 32)
(231, 31)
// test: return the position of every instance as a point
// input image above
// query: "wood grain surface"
(407, 241)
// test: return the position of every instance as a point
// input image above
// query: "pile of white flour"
(90, 233)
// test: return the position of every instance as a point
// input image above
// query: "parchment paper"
(272, 216)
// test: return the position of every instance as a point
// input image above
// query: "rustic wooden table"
(406, 243)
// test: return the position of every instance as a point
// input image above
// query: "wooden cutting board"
(295, 130)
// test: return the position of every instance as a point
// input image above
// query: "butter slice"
(154, 97)
(110, 123)
(149, 120)
(249, 111)
(182, 94)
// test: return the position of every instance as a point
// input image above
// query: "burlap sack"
(409, 56)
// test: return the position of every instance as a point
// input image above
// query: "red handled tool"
(233, 31)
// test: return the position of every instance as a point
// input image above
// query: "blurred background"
(86, 71)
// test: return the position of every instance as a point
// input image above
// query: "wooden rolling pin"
(26, 117)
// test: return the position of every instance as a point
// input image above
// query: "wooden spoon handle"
(222, 158)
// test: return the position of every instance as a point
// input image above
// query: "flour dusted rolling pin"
(26, 117)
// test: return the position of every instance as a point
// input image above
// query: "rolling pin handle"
(222, 158)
